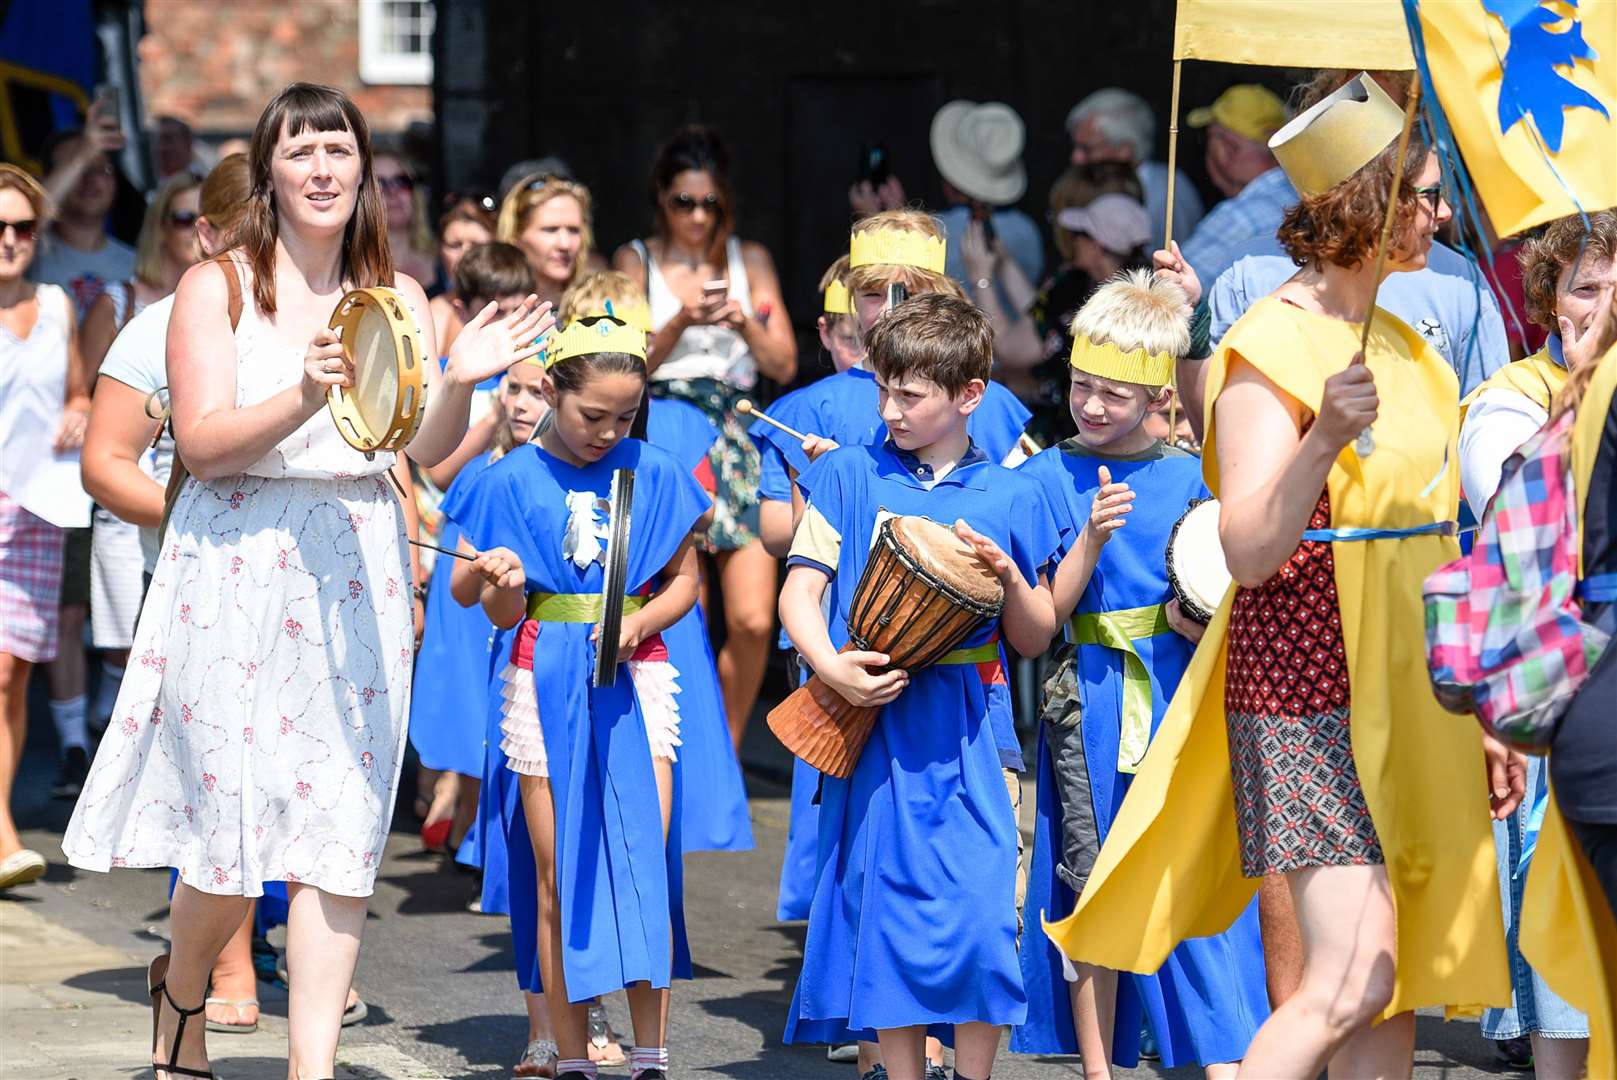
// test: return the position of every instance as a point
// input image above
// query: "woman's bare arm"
(120, 431)
(773, 344)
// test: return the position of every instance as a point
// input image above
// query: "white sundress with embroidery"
(260, 729)
(656, 682)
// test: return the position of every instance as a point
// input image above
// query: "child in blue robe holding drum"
(912, 927)
(1116, 492)
(596, 768)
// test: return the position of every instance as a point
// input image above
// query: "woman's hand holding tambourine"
(488, 344)
(325, 364)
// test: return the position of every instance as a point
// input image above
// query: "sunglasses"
(543, 179)
(26, 229)
(395, 183)
(183, 219)
(1432, 194)
(686, 203)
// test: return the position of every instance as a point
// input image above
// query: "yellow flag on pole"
(1556, 64)
(1357, 34)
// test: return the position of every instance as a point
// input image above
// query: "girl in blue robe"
(598, 786)
(913, 919)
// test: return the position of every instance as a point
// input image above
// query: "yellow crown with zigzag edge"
(1111, 362)
(593, 334)
(1338, 136)
(896, 247)
(837, 301)
(636, 315)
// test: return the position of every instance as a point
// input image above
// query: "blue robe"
(618, 882)
(1207, 1001)
(451, 667)
(913, 919)
(844, 407)
(713, 813)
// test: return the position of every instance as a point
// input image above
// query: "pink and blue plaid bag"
(1505, 636)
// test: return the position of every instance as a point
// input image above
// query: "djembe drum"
(923, 592)
(1196, 569)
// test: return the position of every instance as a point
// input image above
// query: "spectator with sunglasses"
(42, 399)
(708, 347)
(467, 222)
(550, 218)
(407, 231)
(78, 253)
(167, 248)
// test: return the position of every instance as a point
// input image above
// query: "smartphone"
(875, 164)
(983, 214)
(896, 295)
(106, 96)
(716, 290)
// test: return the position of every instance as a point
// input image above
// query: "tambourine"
(380, 337)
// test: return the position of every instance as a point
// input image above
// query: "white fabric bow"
(582, 543)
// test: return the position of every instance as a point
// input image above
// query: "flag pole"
(1410, 107)
(1167, 228)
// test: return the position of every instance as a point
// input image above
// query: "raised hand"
(1109, 512)
(325, 364)
(488, 344)
(1348, 405)
(1170, 264)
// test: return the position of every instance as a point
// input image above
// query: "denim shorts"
(1534, 1006)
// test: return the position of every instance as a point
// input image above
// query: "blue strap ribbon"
(1337, 536)
(1599, 589)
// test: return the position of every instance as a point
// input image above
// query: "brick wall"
(217, 64)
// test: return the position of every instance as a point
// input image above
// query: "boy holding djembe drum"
(918, 842)
(1130, 645)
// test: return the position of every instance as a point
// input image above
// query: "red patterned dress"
(1298, 802)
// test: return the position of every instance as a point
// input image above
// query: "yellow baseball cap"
(1251, 111)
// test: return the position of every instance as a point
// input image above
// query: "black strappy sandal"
(157, 988)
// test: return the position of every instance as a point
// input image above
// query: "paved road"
(438, 978)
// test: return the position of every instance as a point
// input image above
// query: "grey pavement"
(438, 980)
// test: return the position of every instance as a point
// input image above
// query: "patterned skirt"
(30, 583)
(1298, 802)
(734, 460)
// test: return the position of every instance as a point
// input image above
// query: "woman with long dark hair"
(719, 323)
(259, 734)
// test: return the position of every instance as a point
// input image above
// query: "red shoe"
(435, 834)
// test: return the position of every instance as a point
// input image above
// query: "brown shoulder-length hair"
(1343, 225)
(1546, 255)
(694, 148)
(366, 259)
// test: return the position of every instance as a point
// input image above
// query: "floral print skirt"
(259, 731)
(734, 459)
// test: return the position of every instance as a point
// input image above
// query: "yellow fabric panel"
(817, 539)
(1280, 33)
(1170, 868)
(1538, 378)
(1464, 44)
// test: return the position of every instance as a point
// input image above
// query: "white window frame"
(378, 64)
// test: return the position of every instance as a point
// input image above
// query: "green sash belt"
(1120, 630)
(981, 654)
(575, 607)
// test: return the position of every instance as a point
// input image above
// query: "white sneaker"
(842, 1052)
(21, 867)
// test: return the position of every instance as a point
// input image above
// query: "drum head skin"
(949, 559)
(1196, 568)
(383, 408)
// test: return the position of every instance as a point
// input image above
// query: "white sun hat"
(978, 149)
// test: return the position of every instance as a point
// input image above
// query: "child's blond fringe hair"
(1135, 309)
(590, 295)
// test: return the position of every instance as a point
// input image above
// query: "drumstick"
(745, 408)
(444, 550)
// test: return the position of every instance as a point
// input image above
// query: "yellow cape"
(1538, 378)
(1568, 933)
(1170, 868)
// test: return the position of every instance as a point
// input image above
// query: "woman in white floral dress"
(259, 733)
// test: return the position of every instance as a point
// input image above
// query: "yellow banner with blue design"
(1358, 34)
(1529, 89)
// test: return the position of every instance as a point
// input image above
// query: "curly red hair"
(1547, 254)
(1343, 225)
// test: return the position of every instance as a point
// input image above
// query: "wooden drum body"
(922, 593)
(383, 408)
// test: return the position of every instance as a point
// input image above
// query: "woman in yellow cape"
(1383, 836)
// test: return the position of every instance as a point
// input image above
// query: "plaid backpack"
(1505, 636)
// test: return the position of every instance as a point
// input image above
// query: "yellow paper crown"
(837, 301)
(1337, 137)
(593, 334)
(896, 247)
(1110, 362)
(636, 315)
